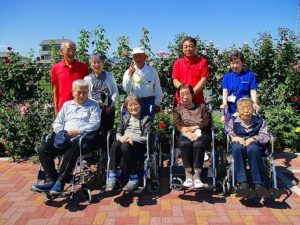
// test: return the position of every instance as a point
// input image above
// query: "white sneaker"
(198, 184)
(188, 183)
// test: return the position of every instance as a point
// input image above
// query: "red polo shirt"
(190, 72)
(62, 76)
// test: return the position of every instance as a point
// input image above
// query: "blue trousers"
(254, 152)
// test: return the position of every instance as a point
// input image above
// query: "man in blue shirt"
(238, 83)
(77, 117)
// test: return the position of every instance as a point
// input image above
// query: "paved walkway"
(20, 206)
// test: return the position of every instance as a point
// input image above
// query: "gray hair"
(244, 99)
(96, 56)
(62, 45)
(132, 97)
(80, 84)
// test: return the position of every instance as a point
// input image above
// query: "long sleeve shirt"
(144, 82)
(260, 136)
(110, 83)
(86, 117)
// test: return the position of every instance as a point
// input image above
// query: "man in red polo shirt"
(191, 70)
(64, 73)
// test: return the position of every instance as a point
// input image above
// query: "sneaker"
(260, 190)
(43, 188)
(188, 183)
(57, 188)
(131, 186)
(111, 184)
(198, 183)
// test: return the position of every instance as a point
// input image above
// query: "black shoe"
(242, 190)
(261, 191)
(131, 186)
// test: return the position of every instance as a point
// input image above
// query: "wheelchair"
(149, 164)
(229, 184)
(88, 167)
(177, 173)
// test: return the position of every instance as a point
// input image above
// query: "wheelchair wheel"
(87, 194)
(153, 186)
(176, 184)
(226, 186)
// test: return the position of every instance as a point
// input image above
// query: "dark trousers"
(128, 153)
(192, 152)
(147, 107)
(47, 152)
(254, 153)
(107, 120)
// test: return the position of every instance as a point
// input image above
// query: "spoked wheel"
(153, 186)
(87, 194)
(176, 183)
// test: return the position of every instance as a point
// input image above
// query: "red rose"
(6, 60)
(295, 99)
(162, 125)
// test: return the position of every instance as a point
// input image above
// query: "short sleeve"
(175, 72)
(53, 76)
(204, 68)
(225, 82)
(253, 83)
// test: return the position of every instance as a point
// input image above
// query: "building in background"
(45, 51)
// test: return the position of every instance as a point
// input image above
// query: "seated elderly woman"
(248, 134)
(131, 138)
(77, 117)
(194, 124)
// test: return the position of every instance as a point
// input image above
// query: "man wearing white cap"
(143, 80)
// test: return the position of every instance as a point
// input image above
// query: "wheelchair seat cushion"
(62, 140)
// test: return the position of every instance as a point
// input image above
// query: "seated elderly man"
(248, 134)
(77, 117)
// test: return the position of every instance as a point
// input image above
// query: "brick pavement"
(20, 206)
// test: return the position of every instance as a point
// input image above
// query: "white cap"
(138, 50)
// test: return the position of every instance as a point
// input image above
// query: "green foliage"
(83, 46)
(276, 63)
(55, 53)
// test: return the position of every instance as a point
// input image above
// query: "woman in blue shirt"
(238, 83)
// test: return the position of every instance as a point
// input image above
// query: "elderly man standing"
(143, 80)
(77, 117)
(64, 73)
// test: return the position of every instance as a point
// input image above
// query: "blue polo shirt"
(238, 85)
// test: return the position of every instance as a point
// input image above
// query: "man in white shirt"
(77, 117)
(143, 80)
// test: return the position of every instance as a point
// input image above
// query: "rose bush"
(276, 62)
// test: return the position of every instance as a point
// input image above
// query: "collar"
(190, 59)
(87, 102)
(69, 65)
(144, 70)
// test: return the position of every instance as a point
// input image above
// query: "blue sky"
(25, 23)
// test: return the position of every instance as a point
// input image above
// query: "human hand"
(184, 130)
(130, 141)
(249, 141)
(193, 128)
(223, 106)
(256, 107)
(131, 69)
(191, 136)
(239, 140)
(123, 139)
(73, 132)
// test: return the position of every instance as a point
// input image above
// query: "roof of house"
(48, 41)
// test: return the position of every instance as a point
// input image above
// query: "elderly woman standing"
(248, 134)
(194, 124)
(102, 88)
